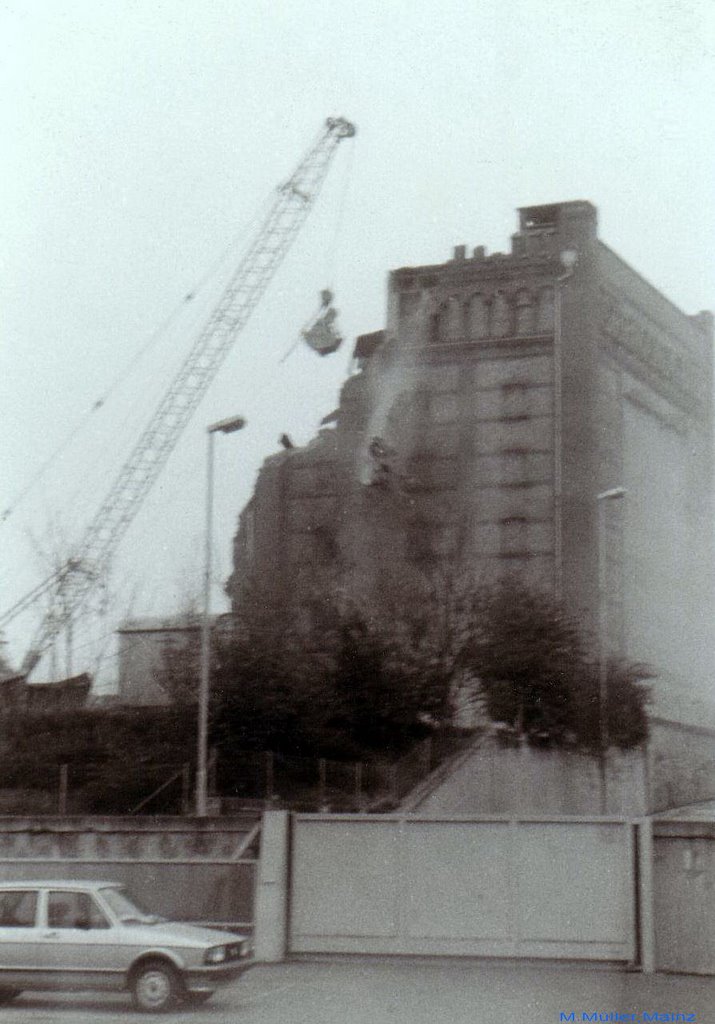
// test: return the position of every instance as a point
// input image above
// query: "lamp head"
(228, 426)
(614, 492)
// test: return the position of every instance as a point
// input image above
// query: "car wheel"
(8, 994)
(155, 987)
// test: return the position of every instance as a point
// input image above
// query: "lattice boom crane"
(69, 588)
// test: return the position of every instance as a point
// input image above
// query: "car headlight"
(215, 955)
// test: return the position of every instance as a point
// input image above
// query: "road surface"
(408, 991)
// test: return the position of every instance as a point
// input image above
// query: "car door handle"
(50, 935)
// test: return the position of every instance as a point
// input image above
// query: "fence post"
(427, 755)
(64, 777)
(646, 896)
(272, 893)
(358, 786)
(269, 777)
(321, 784)
(186, 789)
(213, 757)
(394, 783)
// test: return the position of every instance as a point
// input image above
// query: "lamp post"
(228, 426)
(610, 495)
(569, 259)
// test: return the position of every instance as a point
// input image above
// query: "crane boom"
(73, 583)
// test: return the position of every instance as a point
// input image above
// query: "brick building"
(505, 393)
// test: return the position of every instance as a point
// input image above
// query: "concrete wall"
(182, 868)
(492, 778)
(653, 429)
(676, 769)
(681, 764)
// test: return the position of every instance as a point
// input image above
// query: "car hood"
(169, 933)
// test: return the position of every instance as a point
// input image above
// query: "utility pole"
(603, 652)
(228, 426)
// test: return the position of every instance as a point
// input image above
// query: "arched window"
(501, 316)
(545, 318)
(477, 318)
(524, 313)
(514, 535)
(449, 325)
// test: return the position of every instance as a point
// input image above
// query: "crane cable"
(157, 335)
(331, 262)
(154, 338)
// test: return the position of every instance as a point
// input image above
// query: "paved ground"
(364, 991)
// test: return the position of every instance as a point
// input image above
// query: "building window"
(513, 535)
(325, 545)
(409, 304)
(500, 316)
(431, 543)
(301, 549)
(524, 313)
(514, 400)
(478, 318)
(425, 473)
(545, 318)
(444, 408)
(419, 544)
(313, 479)
(514, 467)
(449, 325)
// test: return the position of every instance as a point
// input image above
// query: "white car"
(90, 936)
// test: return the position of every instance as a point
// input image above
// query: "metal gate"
(552, 887)
(684, 894)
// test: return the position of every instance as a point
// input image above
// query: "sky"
(141, 141)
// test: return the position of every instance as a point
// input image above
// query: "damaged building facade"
(506, 393)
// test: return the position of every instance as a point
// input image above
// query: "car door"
(19, 934)
(79, 941)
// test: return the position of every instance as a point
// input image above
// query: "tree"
(388, 682)
(535, 673)
(346, 677)
(627, 701)
(336, 681)
(527, 655)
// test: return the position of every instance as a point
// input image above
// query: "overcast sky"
(142, 138)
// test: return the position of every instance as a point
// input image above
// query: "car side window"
(74, 910)
(18, 909)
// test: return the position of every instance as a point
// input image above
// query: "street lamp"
(569, 259)
(610, 495)
(228, 426)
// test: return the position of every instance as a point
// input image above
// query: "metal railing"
(237, 779)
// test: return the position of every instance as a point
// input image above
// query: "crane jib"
(70, 587)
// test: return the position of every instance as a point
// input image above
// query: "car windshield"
(125, 910)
